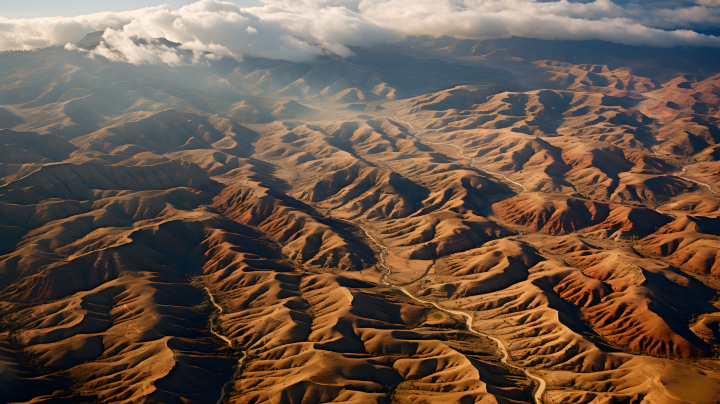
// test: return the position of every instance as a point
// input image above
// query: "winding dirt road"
(679, 174)
(540, 383)
(471, 160)
(227, 340)
(684, 170)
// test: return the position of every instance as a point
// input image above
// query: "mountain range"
(430, 221)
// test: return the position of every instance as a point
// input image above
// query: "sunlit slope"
(273, 232)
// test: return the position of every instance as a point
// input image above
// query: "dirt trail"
(540, 383)
(684, 169)
(227, 340)
(471, 160)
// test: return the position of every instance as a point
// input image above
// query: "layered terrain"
(437, 221)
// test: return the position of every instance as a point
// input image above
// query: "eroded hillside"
(470, 227)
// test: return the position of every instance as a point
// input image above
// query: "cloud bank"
(301, 30)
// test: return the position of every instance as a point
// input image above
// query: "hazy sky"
(301, 30)
(71, 8)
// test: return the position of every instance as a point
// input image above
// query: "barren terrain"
(427, 222)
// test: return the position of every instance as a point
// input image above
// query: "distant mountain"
(435, 220)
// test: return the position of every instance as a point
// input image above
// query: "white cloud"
(300, 30)
(711, 3)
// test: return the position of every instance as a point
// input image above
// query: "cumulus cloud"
(301, 30)
(711, 3)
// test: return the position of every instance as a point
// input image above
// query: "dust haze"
(365, 212)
